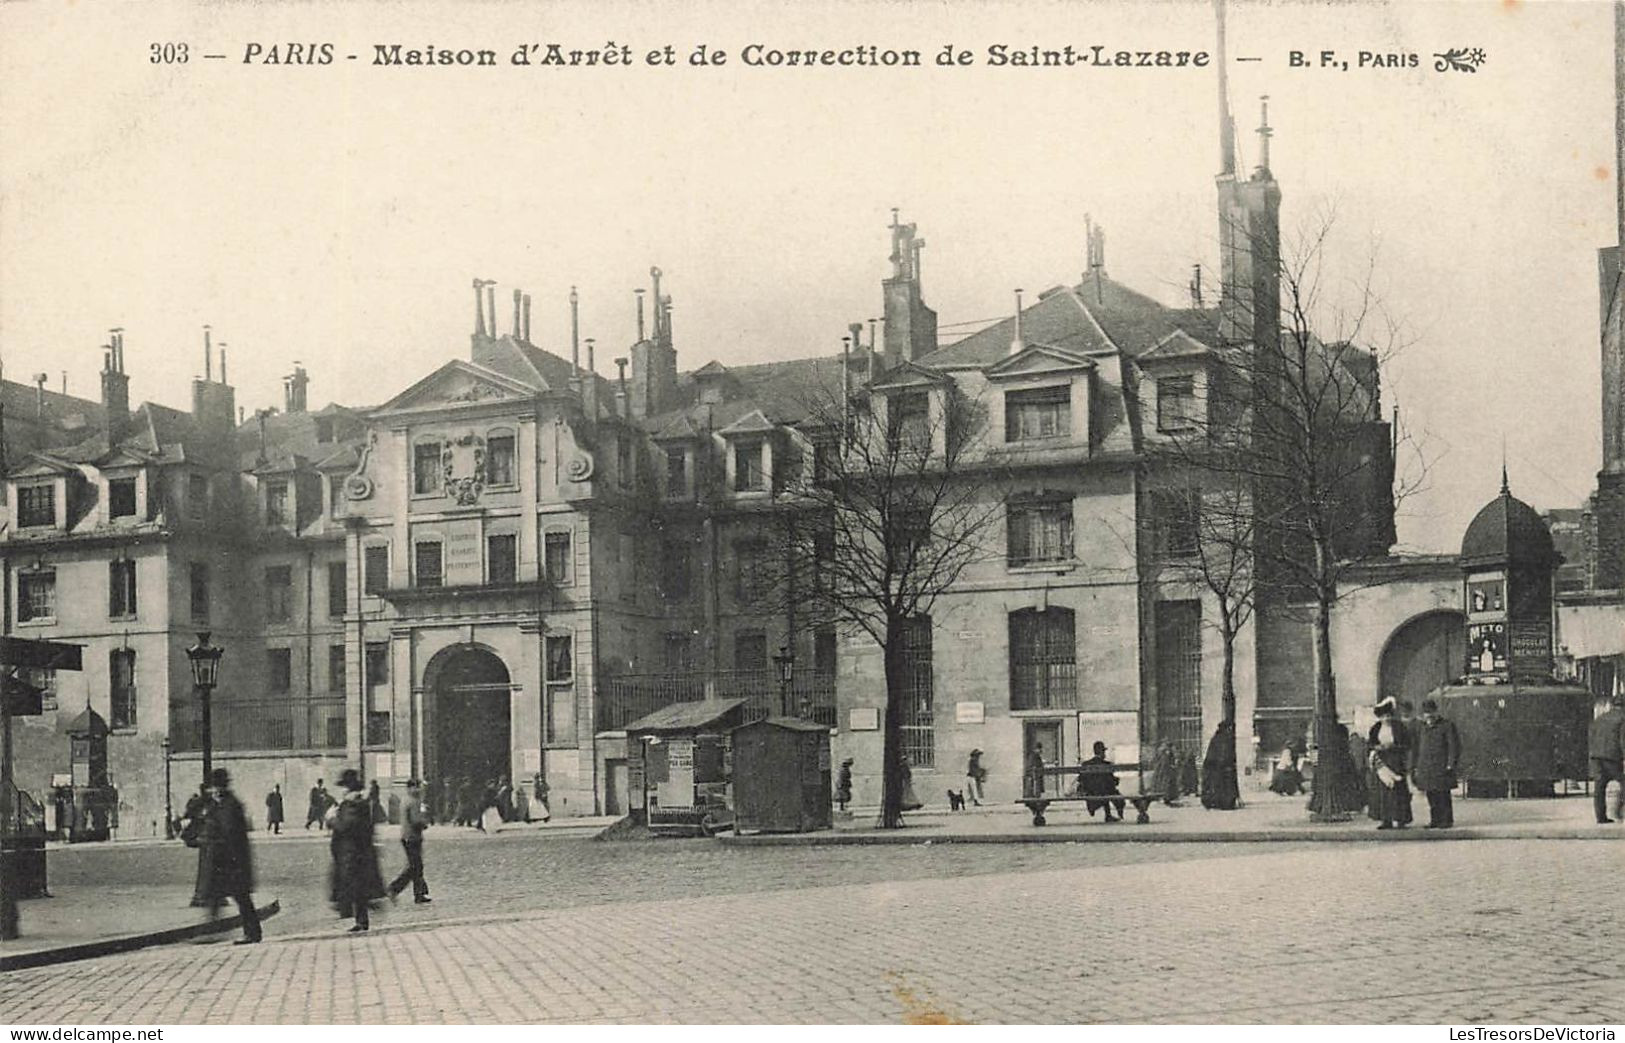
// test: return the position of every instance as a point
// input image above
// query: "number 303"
(168, 54)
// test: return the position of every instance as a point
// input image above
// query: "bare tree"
(1292, 427)
(892, 511)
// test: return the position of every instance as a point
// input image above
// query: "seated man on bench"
(1103, 784)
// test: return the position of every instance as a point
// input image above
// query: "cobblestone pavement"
(1504, 931)
(471, 875)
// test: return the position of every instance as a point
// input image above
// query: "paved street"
(684, 931)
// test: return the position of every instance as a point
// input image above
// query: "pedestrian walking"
(1606, 747)
(317, 810)
(909, 801)
(486, 816)
(414, 822)
(273, 809)
(1165, 772)
(521, 803)
(975, 776)
(227, 869)
(1435, 752)
(1390, 758)
(843, 785)
(357, 881)
(504, 799)
(468, 799)
(538, 794)
(375, 804)
(1221, 791)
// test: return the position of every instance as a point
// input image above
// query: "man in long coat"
(1435, 752)
(1606, 748)
(273, 809)
(357, 881)
(227, 868)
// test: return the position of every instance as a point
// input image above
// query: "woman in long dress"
(1390, 759)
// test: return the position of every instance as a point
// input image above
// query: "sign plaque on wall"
(864, 719)
(969, 713)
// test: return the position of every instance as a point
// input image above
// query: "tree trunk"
(1337, 787)
(891, 790)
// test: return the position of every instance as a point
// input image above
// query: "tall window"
(676, 470)
(197, 495)
(276, 502)
(375, 568)
(1043, 660)
(377, 663)
(426, 559)
(560, 658)
(556, 552)
(335, 495)
(919, 707)
(748, 475)
(36, 595)
(278, 594)
(1039, 531)
(121, 497)
(499, 456)
(823, 459)
(676, 568)
(678, 651)
(752, 575)
(824, 653)
(121, 587)
(278, 669)
(625, 460)
(121, 687)
(426, 468)
(338, 580)
(198, 573)
(501, 558)
(1039, 413)
(1179, 672)
(1176, 403)
(750, 650)
(1175, 522)
(909, 420)
(559, 709)
(335, 668)
(36, 505)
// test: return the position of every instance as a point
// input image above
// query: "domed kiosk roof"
(1508, 531)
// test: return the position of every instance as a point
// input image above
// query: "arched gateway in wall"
(467, 722)
(1424, 653)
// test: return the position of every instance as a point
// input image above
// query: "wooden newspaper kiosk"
(781, 776)
(678, 763)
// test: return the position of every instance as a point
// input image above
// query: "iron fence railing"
(261, 725)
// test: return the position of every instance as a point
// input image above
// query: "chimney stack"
(1016, 342)
(590, 384)
(620, 387)
(491, 305)
(208, 353)
(39, 395)
(479, 308)
(527, 319)
(223, 379)
(575, 337)
(518, 302)
(654, 276)
(1196, 286)
(115, 389)
(639, 293)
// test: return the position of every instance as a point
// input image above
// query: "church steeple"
(1249, 226)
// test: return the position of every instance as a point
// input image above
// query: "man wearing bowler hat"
(1435, 752)
(413, 822)
(228, 871)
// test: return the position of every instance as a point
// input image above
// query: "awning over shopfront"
(1592, 631)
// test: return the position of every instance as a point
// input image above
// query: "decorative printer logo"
(1459, 59)
(466, 489)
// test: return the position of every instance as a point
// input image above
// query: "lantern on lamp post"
(205, 660)
(785, 664)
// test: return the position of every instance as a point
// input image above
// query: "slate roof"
(684, 716)
(785, 392)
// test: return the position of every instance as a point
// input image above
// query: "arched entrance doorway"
(469, 725)
(1423, 654)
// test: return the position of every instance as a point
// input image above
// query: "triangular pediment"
(1176, 345)
(40, 465)
(457, 383)
(1038, 360)
(908, 375)
(678, 428)
(752, 423)
(123, 456)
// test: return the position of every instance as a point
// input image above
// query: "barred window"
(1043, 659)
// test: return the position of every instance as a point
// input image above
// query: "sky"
(337, 214)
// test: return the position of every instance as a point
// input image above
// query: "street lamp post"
(205, 660)
(169, 807)
(785, 663)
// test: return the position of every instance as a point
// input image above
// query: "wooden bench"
(1142, 800)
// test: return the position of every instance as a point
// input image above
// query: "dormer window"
(1176, 403)
(276, 503)
(1037, 413)
(324, 429)
(909, 420)
(36, 505)
(676, 470)
(748, 476)
(121, 498)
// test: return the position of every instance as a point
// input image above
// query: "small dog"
(956, 801)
